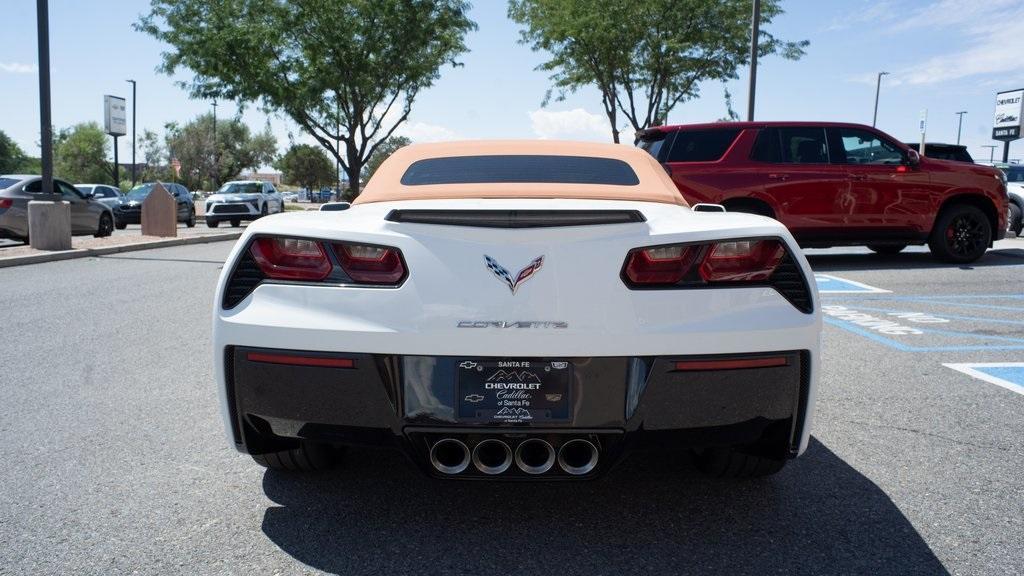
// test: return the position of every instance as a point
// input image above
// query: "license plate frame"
(513, 391)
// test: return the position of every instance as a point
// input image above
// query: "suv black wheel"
(191, 222)
(961, 234)
(212, 223)
(236, 223)
(308, 457)
(1016, 219)
(105, 227)
(887, 248)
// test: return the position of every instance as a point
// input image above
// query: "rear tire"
(121, 225)
(212, 223)
(105, 227)
(887, 248)
(961, 234)
(308, 457)
(236, 223)
(733, 462)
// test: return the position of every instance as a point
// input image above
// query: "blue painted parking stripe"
(966, 305)
(1009, 375)
(828, 284)
(907, 348)
(935, 297)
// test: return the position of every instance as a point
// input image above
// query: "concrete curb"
(105, 250)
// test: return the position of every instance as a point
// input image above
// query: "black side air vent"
(516, 218)
(246, 276)
(789, 281)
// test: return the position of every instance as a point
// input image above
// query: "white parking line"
(991, 371)
(828, 284)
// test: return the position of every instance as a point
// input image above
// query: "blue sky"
(943, 55)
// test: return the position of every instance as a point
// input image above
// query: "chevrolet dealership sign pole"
(115, 123)
(1006, 125)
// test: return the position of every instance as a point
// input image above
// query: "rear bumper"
(617, 403)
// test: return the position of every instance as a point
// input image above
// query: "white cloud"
(18, 68)
(575, 124)
(424, 132)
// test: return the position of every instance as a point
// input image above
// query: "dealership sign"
(1009, 111)
(114, 116)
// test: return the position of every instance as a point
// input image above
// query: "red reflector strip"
(301, 360)
(734, 364)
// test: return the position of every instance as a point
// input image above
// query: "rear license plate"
(514, 391)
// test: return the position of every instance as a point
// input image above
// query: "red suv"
(836, 184)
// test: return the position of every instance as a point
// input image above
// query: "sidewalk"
(127, 240)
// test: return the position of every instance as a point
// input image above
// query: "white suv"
(242, 200)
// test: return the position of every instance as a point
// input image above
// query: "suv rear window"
(520, 169)
(797, 145)
(701, 145)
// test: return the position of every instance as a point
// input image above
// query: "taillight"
(291, 258)
(6, 203)
(660, 265)
(729, 261)
(370, 264)
(741, 261)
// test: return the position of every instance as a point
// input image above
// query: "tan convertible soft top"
(654, 184)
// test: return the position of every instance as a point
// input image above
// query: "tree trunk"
(355, 166)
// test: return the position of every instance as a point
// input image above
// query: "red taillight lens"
(741, 261)
(6, 203)
(661, 265)
(291, 258)
(370, 264)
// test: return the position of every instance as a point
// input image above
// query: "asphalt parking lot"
(115, 461)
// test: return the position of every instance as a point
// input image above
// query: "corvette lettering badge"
(525, 274)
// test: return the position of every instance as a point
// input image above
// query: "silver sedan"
(88, 216)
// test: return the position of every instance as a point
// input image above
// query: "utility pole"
(337, 158)
(755, 26)
(133, 134)
(878, 88)
(959, 125)
(216, 157)
(991, 152)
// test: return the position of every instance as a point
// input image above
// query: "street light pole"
(133, 133)
(755, 25)
(959, 125)
(45, 123)
(878, 88)
(216, 163)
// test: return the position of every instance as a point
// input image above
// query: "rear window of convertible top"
(512, 168)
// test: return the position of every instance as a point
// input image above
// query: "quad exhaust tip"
(577, 457)
(449, 456)
(535, 456)
(492, 456)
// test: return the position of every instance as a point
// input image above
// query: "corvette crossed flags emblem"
(525, 274)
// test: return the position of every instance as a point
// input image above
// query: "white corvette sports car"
(518, 310)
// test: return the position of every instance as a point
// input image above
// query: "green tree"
(386, 149)
(307, 166)
(238, 149)
(12, 158)
(154, 153)
(644, 57)
(80, 154)
(343, 70)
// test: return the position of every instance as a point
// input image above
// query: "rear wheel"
(212, 223)
(887, 248)
(236, 223)
(734, 462)
(121, 225)
(961, 234)
(308, 457)
(105, 227)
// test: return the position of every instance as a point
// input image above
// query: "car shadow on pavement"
(911, 260)
(651, 515)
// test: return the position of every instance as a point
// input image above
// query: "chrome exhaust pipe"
(577, 457)
(492, 456)
(449, 456)
(535, 456)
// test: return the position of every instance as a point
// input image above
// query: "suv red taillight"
(371, 264)
(291, 259)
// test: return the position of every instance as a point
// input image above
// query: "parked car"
(1015, 189)
(105, 194)
(290, 197)
(574, 309)
(88, 215)
(131, 206)
(837, 184)
(957, 152)
(242, 200)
